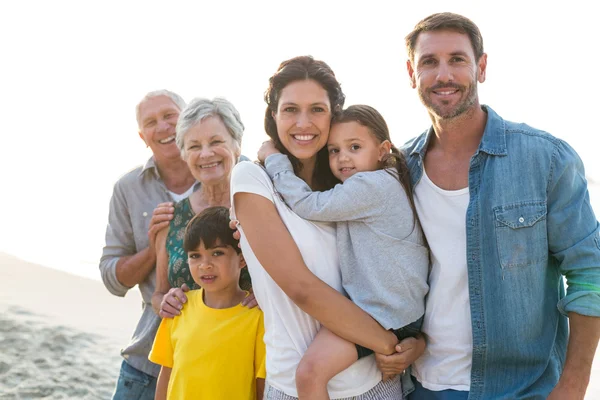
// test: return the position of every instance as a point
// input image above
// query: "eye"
(214, 142)
(193, 255)
(428, 61)
(290, 109)
(333, 151)
(217, 253)
(457, 59)
(150, 124)
(170, 115)
(318, 109)
(355, 147)
(192, 147)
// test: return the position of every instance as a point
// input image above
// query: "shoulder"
(130, 177)
(250, 177)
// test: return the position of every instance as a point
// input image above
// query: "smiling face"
(353, 148)
(303, 118)
(217, 268)
(445, 73)
(158, 118)
(210, 151)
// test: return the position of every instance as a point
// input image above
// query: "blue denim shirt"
(529, 223)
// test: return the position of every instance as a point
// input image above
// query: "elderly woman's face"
(210, 151)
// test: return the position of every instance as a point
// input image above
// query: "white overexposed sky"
(71, 73)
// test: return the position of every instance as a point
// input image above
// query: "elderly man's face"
(158, 118)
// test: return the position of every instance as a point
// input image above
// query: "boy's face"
(216, 268)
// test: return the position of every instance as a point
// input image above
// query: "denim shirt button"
(521, 220)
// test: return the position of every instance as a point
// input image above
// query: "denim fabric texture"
(529, 223)
(134, 384)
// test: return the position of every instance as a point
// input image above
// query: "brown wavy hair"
(298, 69)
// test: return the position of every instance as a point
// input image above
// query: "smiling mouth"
(212, 165)
(304, 138)
(345, 170)
(208, 278)
(167, 140)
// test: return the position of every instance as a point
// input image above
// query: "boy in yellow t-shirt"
(215, 348)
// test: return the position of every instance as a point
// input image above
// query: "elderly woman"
(209, 136)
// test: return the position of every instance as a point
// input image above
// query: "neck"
(211, 195)
(308, 170)
(461, 134)
(175, 174)
(225, 298)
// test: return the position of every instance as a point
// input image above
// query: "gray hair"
(177, 99)
(199, 109)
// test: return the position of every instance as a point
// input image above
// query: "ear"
(482, 68)
(411, 74)
(384, 148)
(142, 137)
(242, 261)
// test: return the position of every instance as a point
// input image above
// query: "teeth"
(167, 140)
(209, 165)
(304, 137)
(446, 93)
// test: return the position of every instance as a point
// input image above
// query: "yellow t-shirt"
(213, 353)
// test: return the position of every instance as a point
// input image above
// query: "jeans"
(134, 384)
(420, 393)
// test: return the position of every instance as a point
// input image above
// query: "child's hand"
(266, 150)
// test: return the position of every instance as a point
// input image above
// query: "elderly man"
(129, 256)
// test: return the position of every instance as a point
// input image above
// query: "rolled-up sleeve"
(573, 233)
(119, 242)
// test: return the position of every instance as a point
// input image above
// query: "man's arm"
(583, 340)
(574, 241)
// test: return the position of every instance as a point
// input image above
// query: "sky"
(71, 73)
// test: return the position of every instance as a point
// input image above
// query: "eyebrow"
(290, 103)
(454, 53)
(217, 135)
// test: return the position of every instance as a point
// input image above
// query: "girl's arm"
(162, 384)
(308, 292)
(359, 197)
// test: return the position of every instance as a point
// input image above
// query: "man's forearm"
(131, 270)
(584, 333)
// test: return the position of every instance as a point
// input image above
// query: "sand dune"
(60, 334)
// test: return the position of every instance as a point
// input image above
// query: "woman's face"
(303, 118)
(210, 151)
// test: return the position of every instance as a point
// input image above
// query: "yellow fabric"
(213, 353)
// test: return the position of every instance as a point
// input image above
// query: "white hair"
(200, 108)
(177, 99)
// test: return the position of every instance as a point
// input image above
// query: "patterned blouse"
(179, 270)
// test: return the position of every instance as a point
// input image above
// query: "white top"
(178, 197)
(446, 363)
(289, 330)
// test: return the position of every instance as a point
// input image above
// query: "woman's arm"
(288, 270)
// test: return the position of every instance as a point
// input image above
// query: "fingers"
(162, 213)
(185, 288)
(233, 224)
(394, 364)
(172, 303)
(250, 301)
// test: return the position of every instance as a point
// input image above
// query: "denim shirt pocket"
(521, 234)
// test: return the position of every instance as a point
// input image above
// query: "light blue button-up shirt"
(529, 223)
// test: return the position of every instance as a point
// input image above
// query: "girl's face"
(303, 118)
(353, 148)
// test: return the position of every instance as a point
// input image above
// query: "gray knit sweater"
(383, 259)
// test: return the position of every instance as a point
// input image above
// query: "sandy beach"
(60, 334)
(56, 341)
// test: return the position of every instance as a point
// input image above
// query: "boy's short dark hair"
(209, 227)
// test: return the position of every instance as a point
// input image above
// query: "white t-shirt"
(289, 330)
(178, 197)
(446, 363)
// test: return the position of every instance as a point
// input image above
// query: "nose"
(205, 264)
(206, 152)
(343, 155)
(303, 120)
(162, 125)
(444, 73)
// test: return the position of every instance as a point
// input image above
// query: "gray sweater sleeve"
(357, 198)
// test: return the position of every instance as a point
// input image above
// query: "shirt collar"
(493, 141)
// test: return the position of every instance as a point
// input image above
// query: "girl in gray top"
(383, 255)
